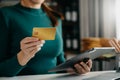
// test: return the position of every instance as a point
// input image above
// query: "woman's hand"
(29, 47)
(115, 43)
(82, 68)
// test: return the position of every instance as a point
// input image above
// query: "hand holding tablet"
(90, 54)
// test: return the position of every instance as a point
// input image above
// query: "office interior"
(87, 24)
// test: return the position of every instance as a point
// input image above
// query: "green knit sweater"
(16, 23)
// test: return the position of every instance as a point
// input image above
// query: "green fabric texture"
(16, 23)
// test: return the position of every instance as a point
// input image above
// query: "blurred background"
(87, 24)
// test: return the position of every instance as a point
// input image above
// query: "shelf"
(65, 23)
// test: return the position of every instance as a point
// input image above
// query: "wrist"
(22, 59)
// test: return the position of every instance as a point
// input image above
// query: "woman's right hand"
(29, 47)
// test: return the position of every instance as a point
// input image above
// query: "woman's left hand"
(82, 67)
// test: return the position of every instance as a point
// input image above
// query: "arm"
(80, 67)
(9, 66)
(60, 58)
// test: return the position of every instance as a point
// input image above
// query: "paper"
(44, 33)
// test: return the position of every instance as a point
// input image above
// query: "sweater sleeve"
(9, 66)
(61, 57)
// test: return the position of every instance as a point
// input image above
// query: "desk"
(98, 75)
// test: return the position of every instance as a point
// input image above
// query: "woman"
(21, 54)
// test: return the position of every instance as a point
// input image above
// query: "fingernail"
(36, 38)
(81, 62)
(43, 41)
(39, 49)
(75, 65)
(41, 45)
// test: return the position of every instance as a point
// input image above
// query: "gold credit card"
(44, 33)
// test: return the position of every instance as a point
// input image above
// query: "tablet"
(90, 54)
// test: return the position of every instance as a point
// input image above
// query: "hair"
(53, 15)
